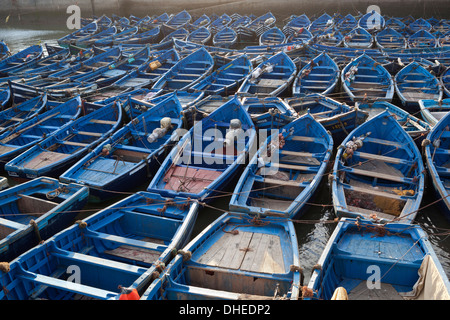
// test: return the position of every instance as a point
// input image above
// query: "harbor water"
(313, 229)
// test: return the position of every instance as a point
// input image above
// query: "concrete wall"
(55, 10)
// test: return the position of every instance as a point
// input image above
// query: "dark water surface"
(313, 229)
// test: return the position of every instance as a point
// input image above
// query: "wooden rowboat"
(207, 158)
(378, 173)
(56, 153)
(400, 254)
(285, 172)
(34, 211)
(119, 249)
(132, 155)
(237, 257)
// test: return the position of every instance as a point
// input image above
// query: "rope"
(56, 192)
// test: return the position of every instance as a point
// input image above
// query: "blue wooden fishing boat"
(271, 77)
(301, 21)
(203, 269)
(330, 37)
(442, 26)
(187, 71)
(85, 31)
(187, 99)
(415, 127)
(116, 38)
(148, 74)
(269, 112)
(201, 35)
(207, 158)
(20, 112)
(271, 37)
(336, 117)
(56, 90)
(218, 24)
(320, 75)
(267, 19)
(347, 24)
(389, 38)
(21, 58)
(225, 38)
(378, 173)
(422, 39)
(247, 33)
(106, 58)
(400, 254)
(207, 105)
(372, 21)
(321, 23)
(178, 21)
(414, 83)
(131, 155)
(358, 38)
(396, 24)
(89, 40)
(123, 22)
(240, 22)
(297, 35)
(202, 21)
(419, 24)
(437, 159)
(180, 34)
(36, 129)
(109, 74)
(155, 22)
(44, 65)
(63, 148)
(117, 250)
(150, 36)
(434, 110)
(364, 79)
(4, 50)
(445, 81)
(225, 79)
(34, 211)
(285, 172)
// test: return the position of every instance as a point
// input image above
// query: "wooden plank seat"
(6, 223)
(292, 167)
(306, 139)
(373, 191)
(16, 119)
(371, 156)
(65, 285)
(384, 142)
(125, 241)
(379, 175)
(290, 183)
(211, 155)
(88, 133)
(99, 121)
(314, 87)
(73, 143)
